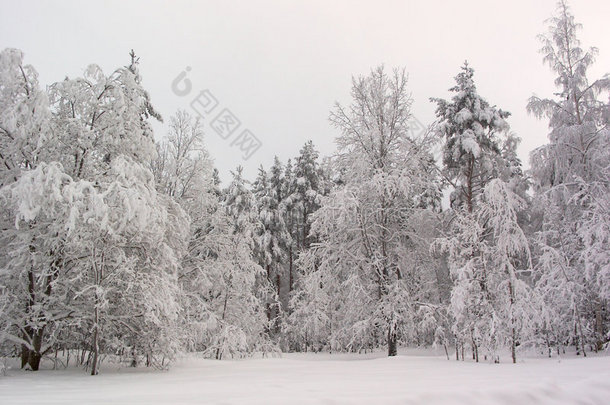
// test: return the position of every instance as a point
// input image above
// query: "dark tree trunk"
(513, 346)
(96, 342)
(268, 303)
(290, 275)
(278, 283)
(25, 354)
(34, 360)
(513, 334)
(32, 357)
(392, 341)
(599, 326)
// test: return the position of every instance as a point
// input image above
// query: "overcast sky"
(279, 66)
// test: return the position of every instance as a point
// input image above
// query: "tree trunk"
(34, 360)
(513, 346)
(25, 354)
(268, 305)
(278, 283)
(580, 334)
(96, 346)
(513, 335)
(34, 355)
(469, 191)
(290, 275)
(599, 326)
(392, 340)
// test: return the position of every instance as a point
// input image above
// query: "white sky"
(281, 65)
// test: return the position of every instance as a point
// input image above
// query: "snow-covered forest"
(121, 246)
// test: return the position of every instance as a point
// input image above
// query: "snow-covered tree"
(290, 219)
(232, 320)
(570, 175)
(361, 278)
(220, 314)
(244, 327)
(471, 128)
(240, 205)
(272, 236)
(304, 183)
(123, 244)
(486, 246)
(490, 303)
(24, 117)
(25, 125)
(306, 190)
(182, 161)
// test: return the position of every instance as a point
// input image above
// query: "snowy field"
(411, 378)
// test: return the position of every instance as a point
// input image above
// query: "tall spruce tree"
(485, 244)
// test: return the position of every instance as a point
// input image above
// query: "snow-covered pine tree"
(290, 219)
(277, 182)
(304, 185)
(570, 175)
(240, 205)
(470, 127)
(271, 237)
(484, 263)
(306, 192)
(246, 285)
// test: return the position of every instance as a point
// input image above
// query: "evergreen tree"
(306, 192)
(271, 235)
(479, 158)
(470, 127)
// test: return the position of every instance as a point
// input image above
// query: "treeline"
(117, 246)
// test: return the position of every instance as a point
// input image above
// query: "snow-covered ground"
(411, 378)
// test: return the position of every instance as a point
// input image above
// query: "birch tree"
(571, 182)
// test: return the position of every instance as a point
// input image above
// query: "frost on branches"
(491, 305)
(95, 252)
(470, 127)
(221, 313)
(361, 280)
(122, 249)
(571, 175)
